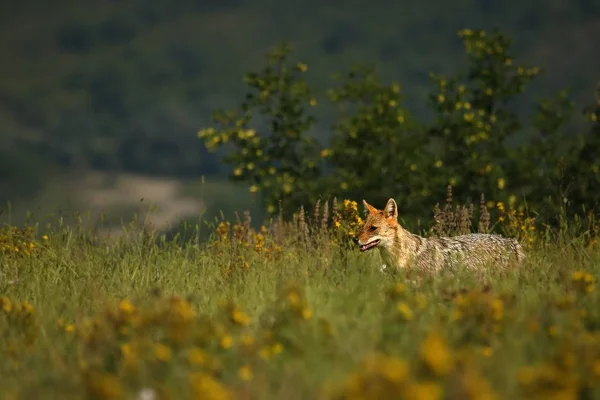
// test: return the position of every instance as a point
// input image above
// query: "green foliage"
(268, 132)
(478, 140)
(585, 172)
(473, 120)
(547, 154)
(377, 145)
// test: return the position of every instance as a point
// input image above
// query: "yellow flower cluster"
(547, 381)
(453, 101)
(481, 314)
(127, 341)
(517, 224)
(583, 282)
(296, 303)
(13, 308)
(384, 377)
(479, 44)
(19, 241)
(213, 138)
(574, 367)
(166, 346)
(261, 242)
(347, 219)
(402, 305)
(18, 330)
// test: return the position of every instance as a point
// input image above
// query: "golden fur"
(400, 249)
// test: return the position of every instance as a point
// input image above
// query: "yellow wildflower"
(162, 352)
(306, 313)
(196, 356)
(326, 153)
(245, 373)
(583, 282)
(126, 306)
(293, 299)
(226, 342)
(239, 318)
(6, 304)
(501, 183)
(436, 355)
(596, 368)
(497, 307)
(27, 307)
(206, 387)
(277, 348)
(247, 340)
(404, 311)
(393, 369)
(104, 386)
(423, 390)
(265, 353)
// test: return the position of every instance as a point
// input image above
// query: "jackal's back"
(473, 251)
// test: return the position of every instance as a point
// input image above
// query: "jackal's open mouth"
(369, 246)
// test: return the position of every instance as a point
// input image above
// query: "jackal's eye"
(373, 228)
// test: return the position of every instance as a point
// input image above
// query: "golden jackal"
(399, 248)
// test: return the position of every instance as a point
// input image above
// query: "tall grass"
(292, 310)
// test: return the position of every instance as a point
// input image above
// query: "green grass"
(317, 310)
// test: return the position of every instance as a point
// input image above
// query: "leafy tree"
(474, 119)
(267, 134)
(540, 172)
(378, 149)
(477, 141)
(584, 171)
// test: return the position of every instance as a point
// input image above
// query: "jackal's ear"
(369, 208)
(391, 209)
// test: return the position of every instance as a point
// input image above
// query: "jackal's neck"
(402, 249)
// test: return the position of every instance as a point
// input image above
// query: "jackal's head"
(380, 226)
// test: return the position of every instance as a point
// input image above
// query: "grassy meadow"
(292, 310)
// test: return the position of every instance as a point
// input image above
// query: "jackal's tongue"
(369, 245)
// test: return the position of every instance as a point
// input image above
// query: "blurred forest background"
(101, 102)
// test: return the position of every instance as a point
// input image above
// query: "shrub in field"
(376, 142)
(583, 176)
(481, 138)
(267, 134)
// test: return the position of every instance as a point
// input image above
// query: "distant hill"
(125, 85)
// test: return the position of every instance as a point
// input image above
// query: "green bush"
(482, 137)
(271, 149)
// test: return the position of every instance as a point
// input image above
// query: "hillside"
(126, 85)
